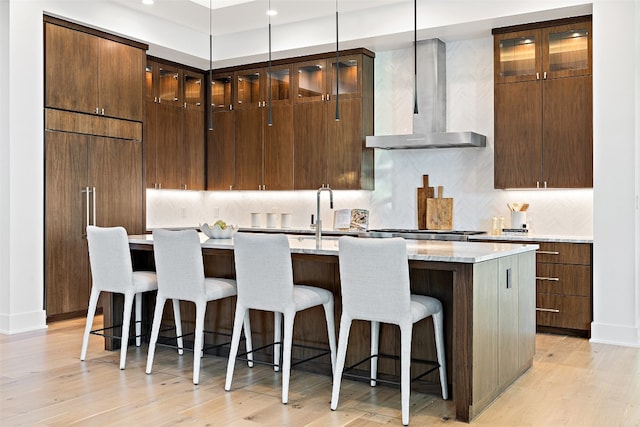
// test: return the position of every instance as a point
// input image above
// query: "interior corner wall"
(21, 182)
(615, 250)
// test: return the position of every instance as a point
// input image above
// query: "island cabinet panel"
(174, 126)
(543, 105)
(90, 74)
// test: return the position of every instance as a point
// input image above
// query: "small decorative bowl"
(216, 232)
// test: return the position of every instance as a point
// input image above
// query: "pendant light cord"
(415, 56)
(337, 70)
(211, 106)
(270, 96)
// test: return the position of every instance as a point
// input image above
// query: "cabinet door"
(169, 88)
(508, 323)
(71, 62)
(221, 151)
(345, 145)
(66, 256)
(248, 154)
(346, 78)
(193, 149)
(567, 50)
(517, 56)
(518, 135)
(568, 133)
(115, 170)
(169, 146)
(192, 91)
(310, 81)
(151, 145)
(310, 145)
(121, 78)
(278, 149)
(249, 89)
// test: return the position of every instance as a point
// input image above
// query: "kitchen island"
(487, 291)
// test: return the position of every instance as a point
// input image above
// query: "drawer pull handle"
(548, 310)
(550, 279)
(548, 252)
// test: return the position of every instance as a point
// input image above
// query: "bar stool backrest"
(110, 258)
(374, 279)
(263, 271)
(179, 264)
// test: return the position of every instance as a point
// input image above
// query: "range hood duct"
(429, 126)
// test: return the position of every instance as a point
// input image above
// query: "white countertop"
(533, 237)
(418, 250)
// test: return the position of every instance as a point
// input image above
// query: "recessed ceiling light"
(147, 2)
(272, 12)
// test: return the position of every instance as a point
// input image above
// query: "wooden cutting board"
(423, 194)
(439, 212)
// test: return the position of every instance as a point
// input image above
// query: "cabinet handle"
(184, 105)
(548, 310)
(322, 97)
(545, 184)
(159, 186)
(537, 76)
(550, 279)
(327, 97)
(537, 184)
(93, 190)
(544, 76)
(197, 104)
(230, 187)
(548, 252)
(175, 99)
(102, 111)
(509, 278)
(86, 210)
(97, 112)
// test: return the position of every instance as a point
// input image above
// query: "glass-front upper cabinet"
(345, 78)
(568, 50)
(279, 84)
(192, 89)
(249, 89)
(517, 56)
(310, 81)
(169, 84)
(221, 92)
(543, 53)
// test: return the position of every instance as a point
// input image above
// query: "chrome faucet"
(318, 220)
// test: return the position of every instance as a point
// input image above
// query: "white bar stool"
(112, 271)
(265, 282)
(180, 271)
(374, 276)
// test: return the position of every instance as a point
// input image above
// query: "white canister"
(518, 219)
(285, 220)
(255, 219)
(271, 220)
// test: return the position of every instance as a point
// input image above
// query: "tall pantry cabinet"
(93, 152)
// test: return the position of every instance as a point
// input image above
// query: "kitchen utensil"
(524, 207)
(423, 194)
(439, 212)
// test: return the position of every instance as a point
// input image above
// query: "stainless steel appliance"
(451, 235)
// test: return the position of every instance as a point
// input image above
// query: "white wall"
(616, 188)
(615, 281)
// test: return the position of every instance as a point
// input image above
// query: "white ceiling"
(233, 16)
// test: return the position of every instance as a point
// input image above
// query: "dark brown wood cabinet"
(174, 127)
(90, 74)
(89, 180)
(304, 147)
(564, 287)
(543, 105)
(92, 158)
(329, 142)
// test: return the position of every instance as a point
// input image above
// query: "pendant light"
(415, 56)
(337, 70)
(270, 96)
(211, 106)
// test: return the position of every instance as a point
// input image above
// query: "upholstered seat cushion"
(215, 288)
(423, 306)
(310, 296)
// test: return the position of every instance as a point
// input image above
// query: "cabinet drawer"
(563, 311)
(564, 253)
(563, 279)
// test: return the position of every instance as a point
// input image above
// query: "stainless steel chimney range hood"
(429, 126)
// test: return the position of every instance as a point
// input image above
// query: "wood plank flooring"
(43, 382)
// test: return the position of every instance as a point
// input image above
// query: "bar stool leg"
(138, 317)
(178, 323)
(405, 370)
(277, 339)
(155, 330)
(375, 340)
(286, 362)
(439, 336)
(201, 308)
(331, 331)
(239, 319)
(93, 303)
(126, 322)
(248, 342)
(343, 340)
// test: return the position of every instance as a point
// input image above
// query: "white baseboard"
(615, 334)
(23, 322)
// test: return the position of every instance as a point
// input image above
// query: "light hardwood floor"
(43, 382)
